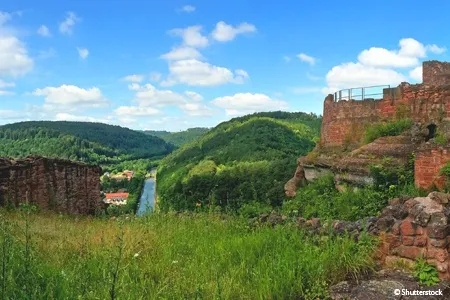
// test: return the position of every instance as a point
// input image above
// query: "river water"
(147, 200)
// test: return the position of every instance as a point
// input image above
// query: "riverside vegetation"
(232, 172)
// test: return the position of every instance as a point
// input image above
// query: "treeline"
(245, 160)
(179, 138)
(83, 141)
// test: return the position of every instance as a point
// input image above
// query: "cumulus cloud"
(133, 78)
(377, 66)
(155, 76)
(192, 36)
(245, 103)
(188, 8)
(14, 59)
(70, 117)
(66, 26)
(306, 58)
(352, 75)
(71, 97)
(44, 31)
(136, 111)
(181, 53)
(148, 97)
(8, 114)
(197, 73)
(416, 74)
(83, 52)
(224, 32)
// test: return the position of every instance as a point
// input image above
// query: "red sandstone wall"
(419, 102)
(436, 73)
(427, 166)
(53, 184)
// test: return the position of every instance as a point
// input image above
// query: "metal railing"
(361, 93)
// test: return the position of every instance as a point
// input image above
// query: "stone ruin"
(340, 151)
(51, 184)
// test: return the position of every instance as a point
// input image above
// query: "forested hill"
(241, 161)
(179, 138)
(91, 142)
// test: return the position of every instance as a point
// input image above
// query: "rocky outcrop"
(53, 184)
(387, 284)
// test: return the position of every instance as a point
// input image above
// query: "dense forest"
(241, 161)
(179, 138)
(83, 141)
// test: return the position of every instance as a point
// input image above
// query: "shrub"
(386, 129)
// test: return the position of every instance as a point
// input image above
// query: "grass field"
(162, 256)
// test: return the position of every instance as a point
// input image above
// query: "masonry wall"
(436, 73)
(427, 166)
(53, 184)
(344, 120)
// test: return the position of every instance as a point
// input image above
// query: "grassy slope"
(242, 160)
(179, 138)
(91, 142)
(168, 257)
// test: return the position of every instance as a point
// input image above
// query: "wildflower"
(174, 261)
(136, 255)
(198, 204)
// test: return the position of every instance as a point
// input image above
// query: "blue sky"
(171, 65)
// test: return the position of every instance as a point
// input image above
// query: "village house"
(124, 175)
(116, 198)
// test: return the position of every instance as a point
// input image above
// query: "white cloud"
(148, 95)
(181, 53)
(155, 76)
(14, 59)
(4, 84)
(135, 111)
(245, 103)
(376, 66)
(12, 114)
(416, 74)
(352, 75)
(134, 78)
(408, 54)
(194, 96)
(71, 97)
(224, 32)
(196, 110)
(44, 31)
(70, 117)
(4, 17)
(306, 58)
(83, 52)
(191, 36)
(188, 8)
(66, 26)
(197, 73)
(436, 49)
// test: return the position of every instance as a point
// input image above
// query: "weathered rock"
(439, 197)
(295, 182)
(53, 184)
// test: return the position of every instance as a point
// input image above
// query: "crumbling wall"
(416, 227)
(343, 120)
(428, 163)
(53, 184)
(436, 73)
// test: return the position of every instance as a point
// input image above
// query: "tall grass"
(391, 128)
(162, 256)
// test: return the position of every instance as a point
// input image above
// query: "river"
(147, 200)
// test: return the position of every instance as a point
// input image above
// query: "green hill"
(84, 141)
(179, 138)
(244, 160)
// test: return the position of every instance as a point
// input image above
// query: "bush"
(387, 129)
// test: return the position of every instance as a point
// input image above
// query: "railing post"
(362, 93)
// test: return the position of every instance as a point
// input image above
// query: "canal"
(147, 200)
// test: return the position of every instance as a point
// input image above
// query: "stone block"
(407, 228)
